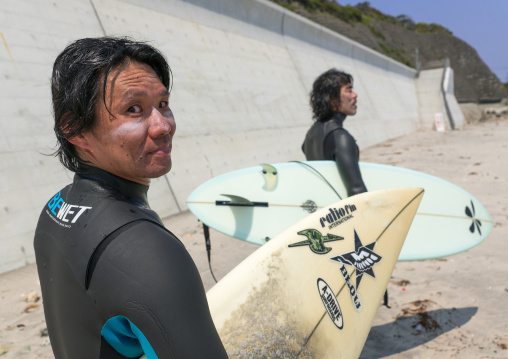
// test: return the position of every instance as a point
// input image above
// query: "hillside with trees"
(413, 44)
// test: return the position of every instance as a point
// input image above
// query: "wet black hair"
(326, 91)
(79, 72)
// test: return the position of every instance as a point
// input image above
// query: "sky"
(483, 24)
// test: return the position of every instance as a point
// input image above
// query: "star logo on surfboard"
(315, 240)
(363, 258)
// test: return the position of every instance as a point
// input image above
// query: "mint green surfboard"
(256, 204)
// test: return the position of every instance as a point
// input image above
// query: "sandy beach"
(454, 307)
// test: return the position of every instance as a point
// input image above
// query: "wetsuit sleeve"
(341, 147)
(147, 276)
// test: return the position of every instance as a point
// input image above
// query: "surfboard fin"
(270, 175)
(239, 202)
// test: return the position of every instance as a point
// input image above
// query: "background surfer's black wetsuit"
(328, 140)
(113, 277)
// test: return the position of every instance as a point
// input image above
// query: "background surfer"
(115, 282)
(332, 99)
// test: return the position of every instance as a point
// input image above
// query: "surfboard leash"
(385, 299)
(206, 232)
(319, 174)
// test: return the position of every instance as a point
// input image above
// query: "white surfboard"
(257, 203)
(313, 291)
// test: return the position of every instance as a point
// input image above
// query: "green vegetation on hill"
(361, 13)
(364, 14)
(416, 45)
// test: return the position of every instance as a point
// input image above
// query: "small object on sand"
(44, 332)
(32, 297)
(418, 329)
(402, 282)
(45, 342)
(30, 307)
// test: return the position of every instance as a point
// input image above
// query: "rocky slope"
(474, 81)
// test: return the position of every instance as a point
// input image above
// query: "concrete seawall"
(242, 73)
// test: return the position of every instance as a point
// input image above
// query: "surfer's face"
(134, 139)
(348, 97)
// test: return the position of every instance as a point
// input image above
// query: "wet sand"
(444, 308)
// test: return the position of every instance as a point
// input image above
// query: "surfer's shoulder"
(340, 137)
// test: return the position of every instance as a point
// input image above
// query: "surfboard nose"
(401, 204)
(325, 299)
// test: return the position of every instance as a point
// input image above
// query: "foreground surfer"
(332, 99)
(115, 282)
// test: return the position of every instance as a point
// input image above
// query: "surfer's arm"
(341, 147)
(147, 276)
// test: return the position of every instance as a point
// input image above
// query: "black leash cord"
(208, 248)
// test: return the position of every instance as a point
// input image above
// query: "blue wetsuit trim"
(126, 338)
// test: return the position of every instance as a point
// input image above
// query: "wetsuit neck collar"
(339, 117)
(135, 193)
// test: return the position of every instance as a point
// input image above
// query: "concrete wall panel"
(32, 35)
(242, 69)
(453, 105)
(433, 87)
(429, 97)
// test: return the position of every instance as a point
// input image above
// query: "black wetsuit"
(115, 282)
(328, 140)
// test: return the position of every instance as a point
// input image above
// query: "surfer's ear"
(335, 105)
(79, 140)
(83, 147)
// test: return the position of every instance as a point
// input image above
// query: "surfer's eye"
(134, 109)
